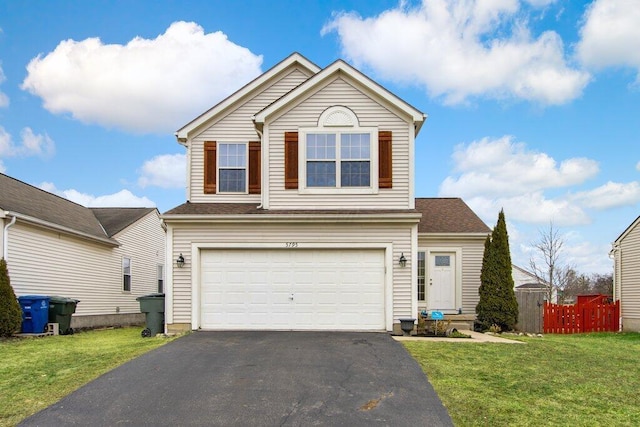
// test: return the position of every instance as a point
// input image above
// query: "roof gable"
(628, 230)
(291, 61)
(29, 202)
(448, 215)
(114, 220)
(365, 84)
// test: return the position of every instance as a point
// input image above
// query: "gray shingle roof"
(101, 223)
(115, 220)
(439, 215)
(19, 197)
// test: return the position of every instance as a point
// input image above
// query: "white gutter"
(453, 235)
(5, 237)
(210, 218)
(63, 229)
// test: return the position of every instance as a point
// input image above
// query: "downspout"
(262, 168)
(5, 238)
(615, 249)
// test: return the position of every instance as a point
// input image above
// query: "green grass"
(577, 380)
(37, 372)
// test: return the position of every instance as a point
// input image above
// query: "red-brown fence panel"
(589, 316)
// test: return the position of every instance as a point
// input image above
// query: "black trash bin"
(152, 306)
(60, 311)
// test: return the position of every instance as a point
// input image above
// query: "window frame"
(421, 265)
(126, 284)
(220, 168)
(160, 277)
(338, 131)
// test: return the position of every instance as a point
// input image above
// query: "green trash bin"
(152, 306)
(60, 311)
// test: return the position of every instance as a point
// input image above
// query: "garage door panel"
(297, 289)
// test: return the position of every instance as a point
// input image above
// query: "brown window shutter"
(385, 166)
(291, 160)
(254, 167)
(210, 171)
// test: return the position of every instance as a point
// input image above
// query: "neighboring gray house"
(625, 252)
(525, 281)
(301, 212)
(104, 257)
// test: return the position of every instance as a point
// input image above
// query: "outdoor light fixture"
(180, 261)
(403, 260)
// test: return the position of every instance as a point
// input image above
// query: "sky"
(533, 105)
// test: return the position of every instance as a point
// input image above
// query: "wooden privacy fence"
(595, 315)
(529, 311)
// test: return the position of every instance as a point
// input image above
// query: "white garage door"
(299, 289)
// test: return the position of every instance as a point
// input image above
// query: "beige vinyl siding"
(144, 243)
(44, 262)
(2, 224)
(629, 282)
(472, 253)
(305, 234)
(370, 114)
(237, 126)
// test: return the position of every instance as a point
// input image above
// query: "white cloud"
(164, 171)
(638, 166)
(147, 85)
(531, 208)
(123, 198)
(6, 143)
(491, 174)
(610, 195)
(540, 3)
(610, 35)
(31, 144)
(461, 49)
(4, 99)
(36, 144)
(503, 168)
(584, 255)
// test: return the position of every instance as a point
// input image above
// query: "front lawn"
(37, 372)
(579, 380)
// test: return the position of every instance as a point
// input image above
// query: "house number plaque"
(291, 244)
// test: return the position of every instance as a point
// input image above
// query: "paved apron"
(259, 379)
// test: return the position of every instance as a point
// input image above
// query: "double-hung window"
(160, 273)
(355, 160)
(126, 274)
(321, 160)
(232, 169)
(339, 159)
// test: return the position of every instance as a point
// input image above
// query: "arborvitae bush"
(10, 312)
(498, 306)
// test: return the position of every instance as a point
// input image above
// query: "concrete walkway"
(476, 337)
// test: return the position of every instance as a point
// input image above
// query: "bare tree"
(602, 284)
(548, 266)
(578, 284)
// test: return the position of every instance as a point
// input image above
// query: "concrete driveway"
(259, 379)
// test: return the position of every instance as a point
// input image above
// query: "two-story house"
(301, 212)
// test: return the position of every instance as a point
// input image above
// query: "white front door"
(442, 281)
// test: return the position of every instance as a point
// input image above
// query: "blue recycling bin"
(35, 313)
